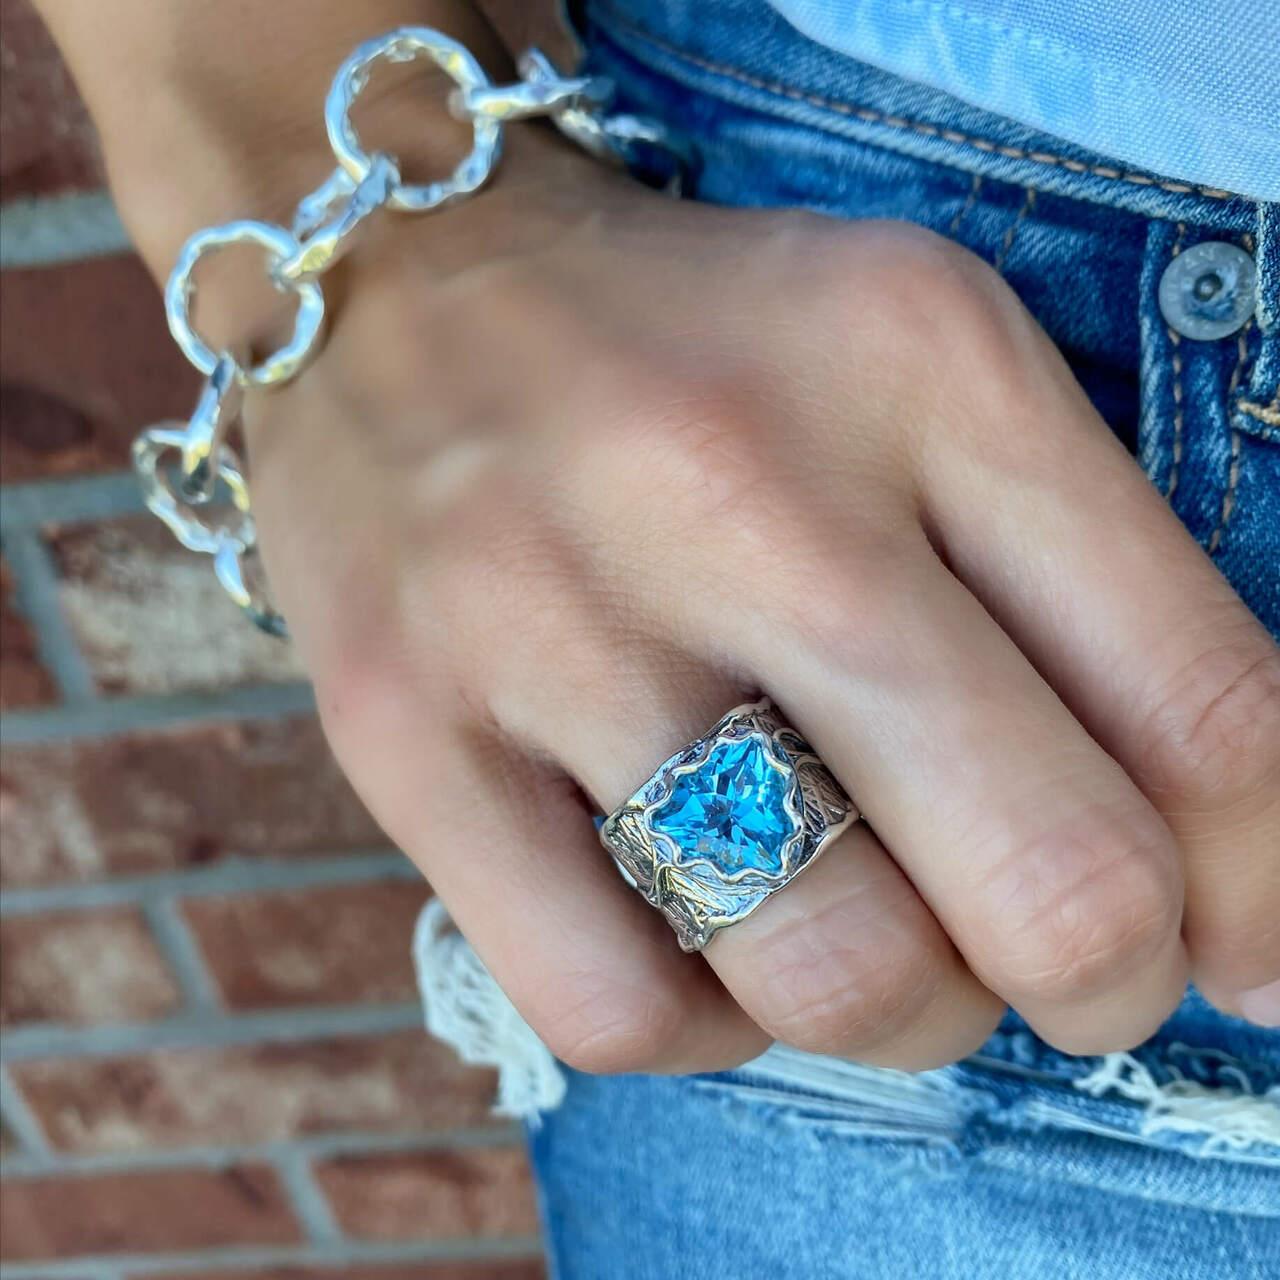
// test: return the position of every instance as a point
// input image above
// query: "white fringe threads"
(467, 1009)
(1227, 1119)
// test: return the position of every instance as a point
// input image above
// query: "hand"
(579, 469)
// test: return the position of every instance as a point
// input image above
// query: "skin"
(579, 468)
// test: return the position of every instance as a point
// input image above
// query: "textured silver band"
(687, 879)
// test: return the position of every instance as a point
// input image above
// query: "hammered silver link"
(228, 542)
(279, 244)
(540, 91)
(327, 223)
(334, 239)
(216, 412)
(456, 61)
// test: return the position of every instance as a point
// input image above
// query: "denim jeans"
(1021, 1161)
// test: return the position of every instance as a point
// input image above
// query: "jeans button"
(1208, 291)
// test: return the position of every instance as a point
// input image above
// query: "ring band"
(726, 822)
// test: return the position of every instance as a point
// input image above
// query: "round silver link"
(335, 238)
(215, 413)
(457, 62)
(162, 501)
(228, 541)
(540, 91)
(279, 244)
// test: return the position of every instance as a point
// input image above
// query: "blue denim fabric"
(1022, 1161)
(1185, 87)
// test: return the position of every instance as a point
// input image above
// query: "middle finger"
(1053, 874)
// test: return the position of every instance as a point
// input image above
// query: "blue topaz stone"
(726, 822)
(737, 808)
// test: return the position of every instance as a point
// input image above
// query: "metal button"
(1207, 291)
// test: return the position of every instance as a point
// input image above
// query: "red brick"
(150, 617)
(400, 1083)
(468, 1191)
(498, 1269)
(80, 967)
(173, 799)
(171, 1209)
(46, 140)
(333, 945)
(86, 362)
(23, 680)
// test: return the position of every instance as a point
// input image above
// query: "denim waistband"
(742, 54)
(743, 51)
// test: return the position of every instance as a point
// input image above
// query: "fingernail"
(1262, 1005)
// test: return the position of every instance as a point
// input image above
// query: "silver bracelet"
(326, 224)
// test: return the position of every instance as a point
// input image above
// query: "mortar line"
(315, 1147)
(109, 717)
(310, 1205)
(235, 874)
(470, 1249)
(198, 1030)
(42, 231)
(182, 953)
(37, 599)
(70, 500)
(21, 1121)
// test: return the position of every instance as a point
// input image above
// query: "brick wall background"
(212, 1054)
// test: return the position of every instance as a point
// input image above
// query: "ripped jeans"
(1021, 1161)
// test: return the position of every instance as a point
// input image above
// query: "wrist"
(254, 159)
(212, 112)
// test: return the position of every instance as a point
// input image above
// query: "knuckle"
(605, 1028)
(1216, 727)
(1081, 908)
(928, 287)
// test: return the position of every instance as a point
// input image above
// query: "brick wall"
(213, 1061)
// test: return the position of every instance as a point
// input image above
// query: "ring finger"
(847, 958)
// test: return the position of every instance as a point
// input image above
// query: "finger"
(512, 851)
(1052, 873)
(849, 960)
(1084, 564)
(846, 959)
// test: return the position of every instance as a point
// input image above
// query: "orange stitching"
(1233, 474)
(1009, 236)
(966, 208)
(1175, 339)
(869, 116)
(1264, 413)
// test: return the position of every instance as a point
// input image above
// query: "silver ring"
(726, 822)
(460, 66)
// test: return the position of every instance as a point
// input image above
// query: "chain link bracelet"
(326, 225)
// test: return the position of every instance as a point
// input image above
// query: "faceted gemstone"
(731, 810)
